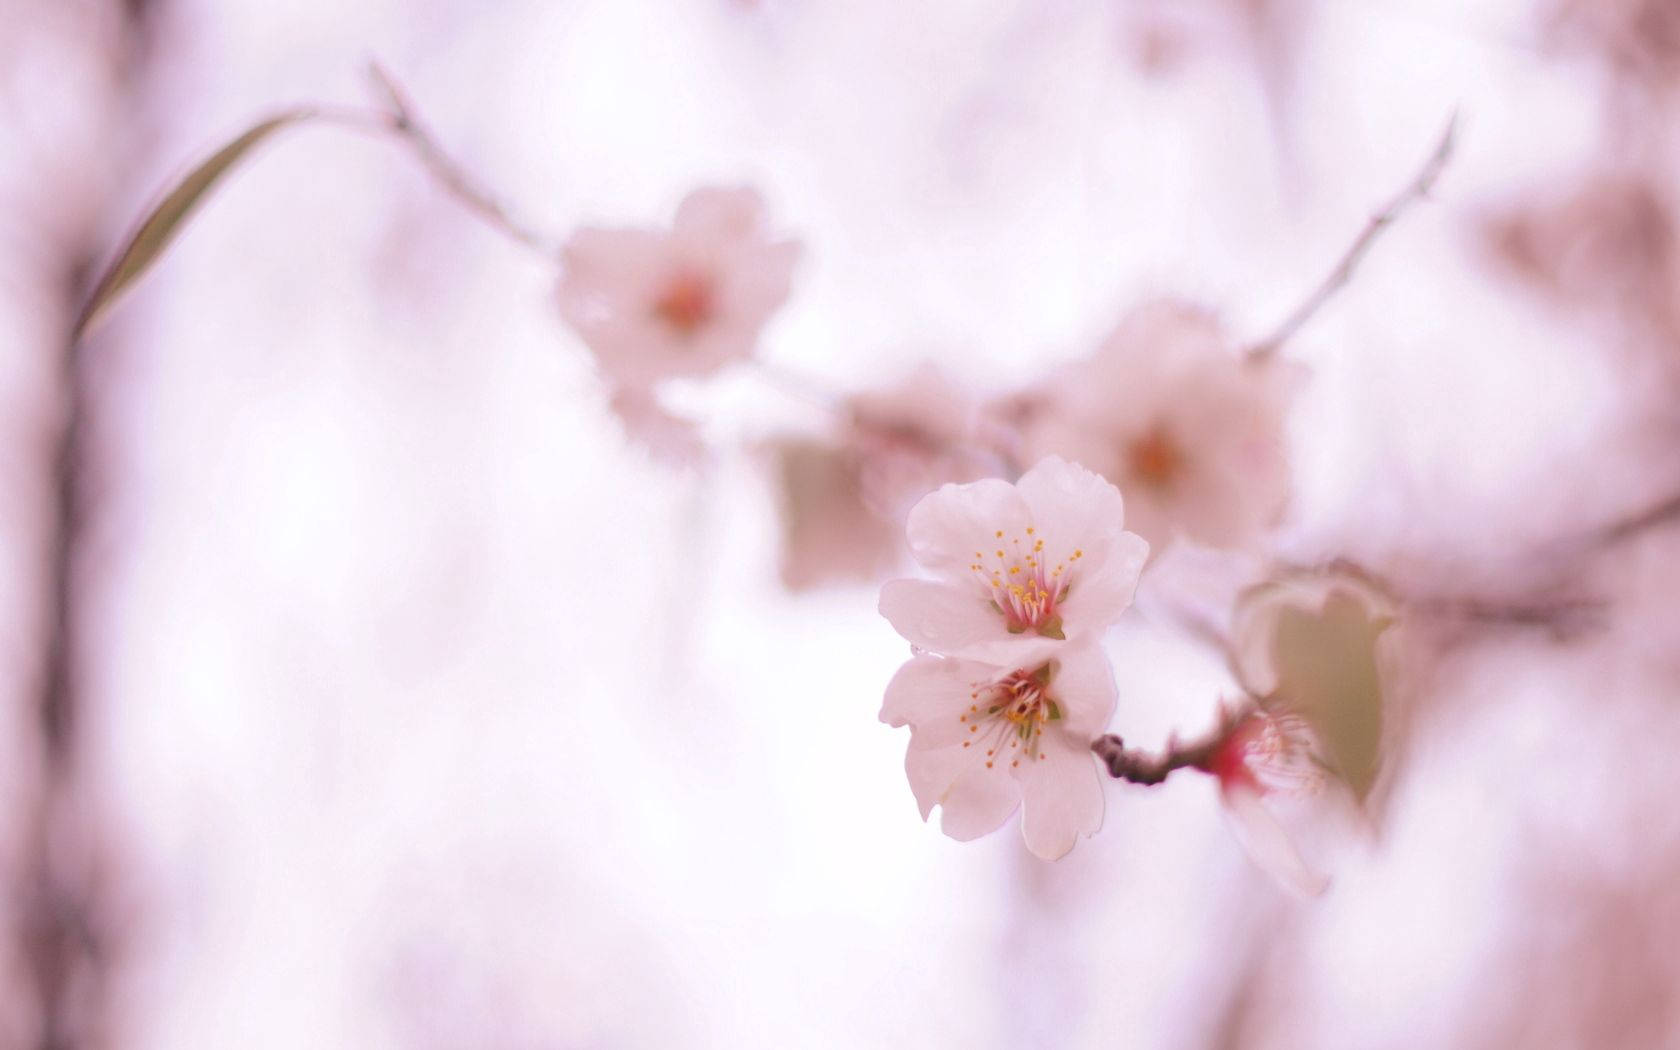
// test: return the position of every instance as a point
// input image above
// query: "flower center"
(1155, 458)
(1022, 584)
(686, 303)
(1008, 716)
(1268, 751)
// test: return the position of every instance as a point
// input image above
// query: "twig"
(1141, 767)
(402, 120)
(1416, 190)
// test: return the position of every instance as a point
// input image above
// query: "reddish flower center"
(1155, 459)
(1008, 716)
(1022, 583)
(1266, 752)
(686, 303)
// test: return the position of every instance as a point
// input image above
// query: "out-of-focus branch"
(403, 120)
(1564, 616)
(1663, 512)
(1416, 190)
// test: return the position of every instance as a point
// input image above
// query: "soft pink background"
(423, 711)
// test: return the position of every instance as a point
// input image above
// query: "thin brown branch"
(1143, 767)
(1416, 190)
(402, 119)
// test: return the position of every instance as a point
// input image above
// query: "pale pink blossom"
(1191, 431)
(1265, 756)
(652, 304)
(1017, 568)
(988, 739)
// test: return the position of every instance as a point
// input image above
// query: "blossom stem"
(1142, 767)
(1416, 190)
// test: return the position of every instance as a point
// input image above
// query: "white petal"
(1072, 506)
(947, 528)
(1083, 688)
(1268, 845)
(1061, 796)
(957, 621)
(1104, 589)
(978, 803)
(932, 696)
(973, 799)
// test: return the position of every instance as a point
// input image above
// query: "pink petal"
(717, 214)
(1073, 507)
(957, 621)
(758, 280)
(974, 800)
(1104, 589)
(1083, 688)
(1061, 796)
(949, 526)
(931, 695)
(1267, 844)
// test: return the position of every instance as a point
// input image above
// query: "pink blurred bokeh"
(419, 705)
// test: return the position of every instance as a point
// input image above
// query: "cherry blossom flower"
(653, 304)
(987, 739)
(1018, 568)
(1264, 755)
(1192, 432)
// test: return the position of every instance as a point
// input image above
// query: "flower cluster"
(1010, 683)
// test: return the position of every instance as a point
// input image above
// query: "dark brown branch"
(1415, 190)
(1143, 767)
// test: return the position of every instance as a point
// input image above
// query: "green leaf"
(161, 225)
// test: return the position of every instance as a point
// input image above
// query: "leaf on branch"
(161, 225)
